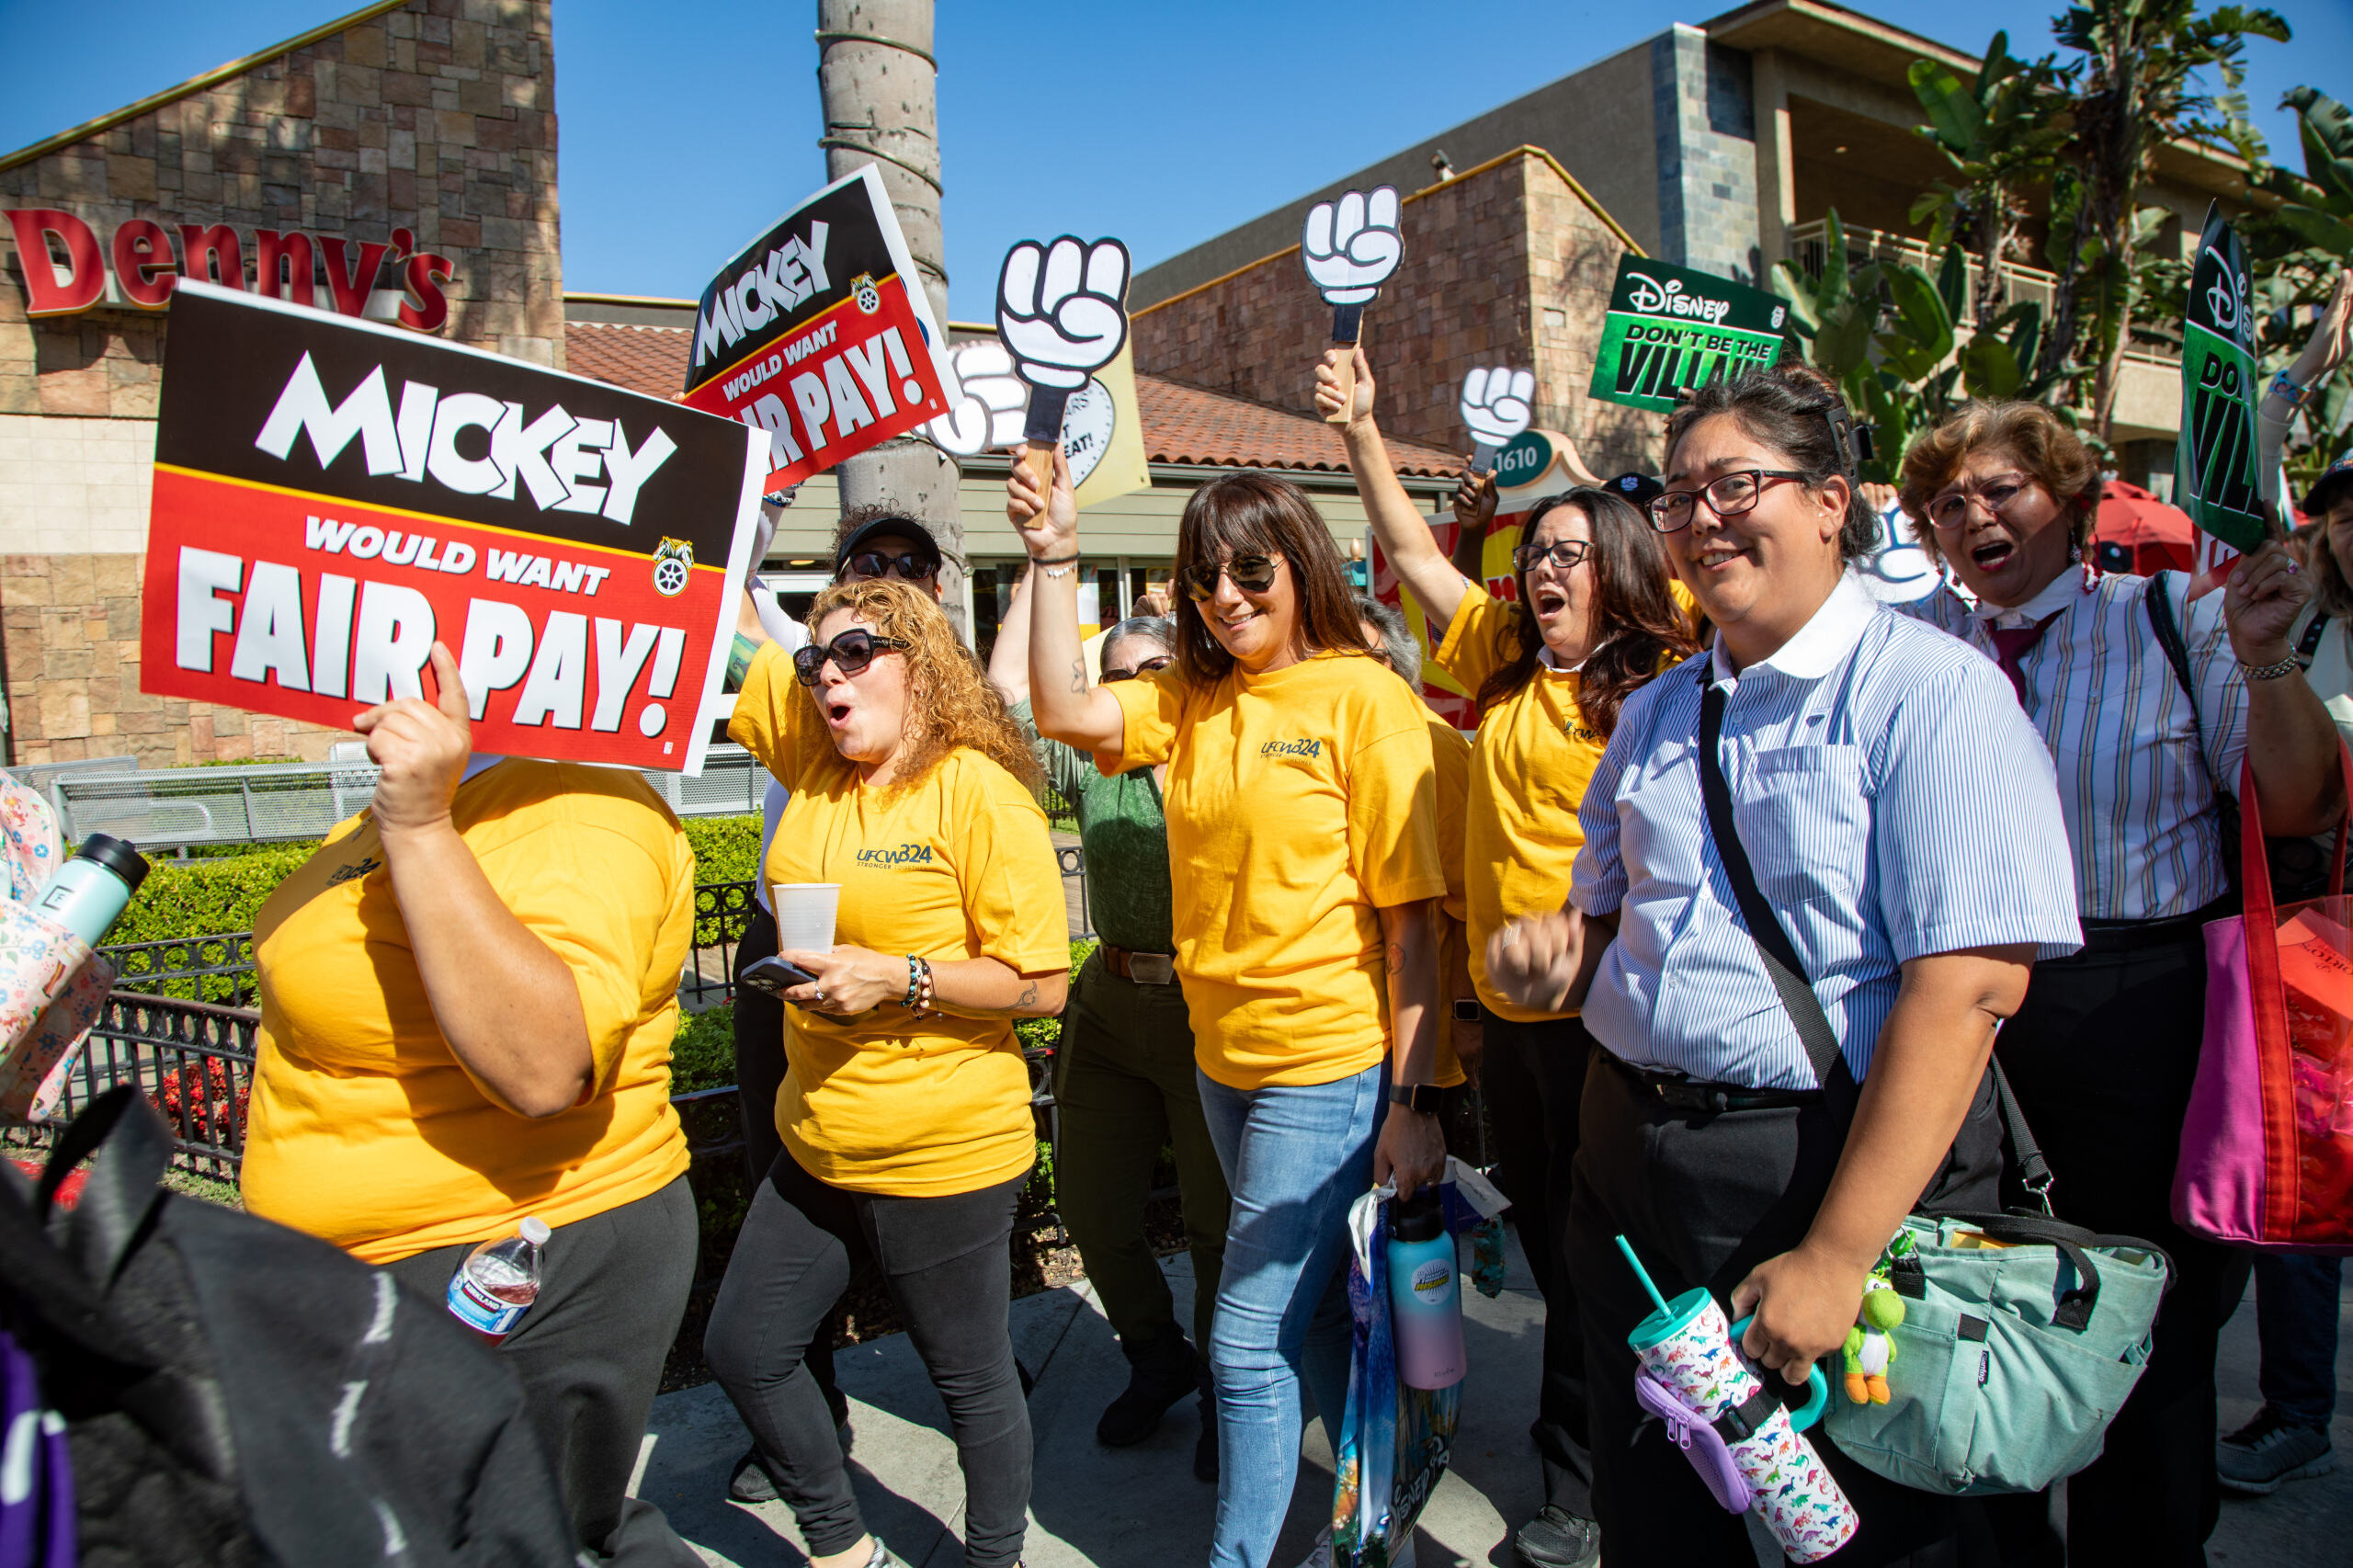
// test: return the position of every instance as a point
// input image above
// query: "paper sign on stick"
(1497, 404)
(331, 497)
(1671, 329)
(2214, 464)
(819, 334)
(1350, 248)
(1061, 315)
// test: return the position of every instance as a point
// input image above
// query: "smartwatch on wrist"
(1423, 1097)
(1466, 1009)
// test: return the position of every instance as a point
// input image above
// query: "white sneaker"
(1322, 1556)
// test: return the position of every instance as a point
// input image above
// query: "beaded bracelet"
(923, 1003)
(2295, 394)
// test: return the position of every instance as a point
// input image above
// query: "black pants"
(2102, 1056)
(612, 1289)
(759, 1073)
(1532, 1078)
(948, 1266)
(1704, 1199)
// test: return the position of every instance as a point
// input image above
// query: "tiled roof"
(1181, 424)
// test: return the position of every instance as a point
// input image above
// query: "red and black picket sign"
(331, 497)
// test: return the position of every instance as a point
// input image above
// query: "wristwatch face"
(1466, 1011)
(1416, 1097)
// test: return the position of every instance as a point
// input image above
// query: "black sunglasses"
(851, 652)
(1158, 662)
(908, 567)
(1251, 574)
(1565, 552)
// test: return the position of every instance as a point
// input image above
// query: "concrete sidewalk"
(1133, 1508)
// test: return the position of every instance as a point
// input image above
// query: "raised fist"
(1352, 245)
(988, 412)
(1497, 404)
(1062, 310)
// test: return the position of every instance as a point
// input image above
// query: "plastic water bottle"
(499, 1280)
(1424, 1293)
(87, 894)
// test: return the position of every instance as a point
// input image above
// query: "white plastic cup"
(804, 916)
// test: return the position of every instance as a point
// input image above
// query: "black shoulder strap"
(2161, 621)
(2309, 644)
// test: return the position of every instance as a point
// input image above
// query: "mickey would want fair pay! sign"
(819, 334)
(332, 496)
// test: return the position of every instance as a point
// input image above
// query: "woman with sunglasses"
(2104, 1051)
(905, 1109)
(1305, 875)
(1592, 619)
(1846, 752)
(1124, 1069)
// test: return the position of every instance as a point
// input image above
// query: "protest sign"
(1102, 434)
(1671, 329)
(2214, 464)
(1061, 315)
(331, 497)
(819, 334)
(1350, 247)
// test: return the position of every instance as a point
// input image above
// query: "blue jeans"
(2295, 1324)
(1295, 1159)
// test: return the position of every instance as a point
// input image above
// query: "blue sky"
(687, 126)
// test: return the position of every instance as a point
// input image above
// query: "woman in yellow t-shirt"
(1305, 874)
(1591, 617)
(905, 1109)
(468, 996)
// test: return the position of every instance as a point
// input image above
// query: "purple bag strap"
(1701, 1441)
(36, 1469)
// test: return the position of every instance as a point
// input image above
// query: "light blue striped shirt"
(1894, 804)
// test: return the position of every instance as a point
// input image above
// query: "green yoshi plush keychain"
(1869, 1350)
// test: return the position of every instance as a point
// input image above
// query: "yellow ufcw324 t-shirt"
(956, 866)
(366, 1129)
(1299, 802)
(1451, 756)
(1530, 767)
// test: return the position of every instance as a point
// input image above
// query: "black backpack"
(232, 1392)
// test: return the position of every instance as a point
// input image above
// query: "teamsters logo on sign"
(332, 496)
(818, 335)
(1670, 328)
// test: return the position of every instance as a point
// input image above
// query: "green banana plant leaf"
(2321, 229)
(1952, 281)
(1953, 109)
(1989, 369)
(2325, 128)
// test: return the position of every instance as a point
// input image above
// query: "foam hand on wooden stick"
(1350, 247)
(986, 408)
(1061, 312)
(1497, 404)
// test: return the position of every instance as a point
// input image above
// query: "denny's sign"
(70, 266)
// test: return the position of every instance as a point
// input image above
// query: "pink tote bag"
(2266, 1147)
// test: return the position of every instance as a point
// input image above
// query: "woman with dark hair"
(1305, 872)
(904, 1111)
(1591, 619)
(2150, 701)
(1806, 788)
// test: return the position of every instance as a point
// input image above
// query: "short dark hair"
(1155, 630)
(1253, 513)
(1397, 638)
(1792, 408)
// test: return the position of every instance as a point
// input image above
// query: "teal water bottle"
(88, 893)
(1424, 1293)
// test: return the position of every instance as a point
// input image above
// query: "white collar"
(1817, 646)
(2056, 596)
(1552, 661)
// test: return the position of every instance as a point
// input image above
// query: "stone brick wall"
(438, 117)
(1704, 115)
(1490, 261)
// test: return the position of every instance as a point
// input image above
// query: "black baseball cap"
(2329, 488)
(1636, 487)
(904, 528)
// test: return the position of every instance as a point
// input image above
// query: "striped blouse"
(2137, 794)
(1894, 805)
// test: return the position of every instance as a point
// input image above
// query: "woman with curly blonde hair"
(905, 1109)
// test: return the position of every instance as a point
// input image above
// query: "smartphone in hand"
(775, 976)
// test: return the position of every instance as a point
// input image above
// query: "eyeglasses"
(1159, 663)
(907, 568)
(1950, 510)
(1728, 495)
(1564, 553)
(850, 653)
(1251, 574)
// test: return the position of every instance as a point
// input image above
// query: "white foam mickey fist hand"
(1352, 245)
(986, 413)
(1062, 310)
(1498, 404)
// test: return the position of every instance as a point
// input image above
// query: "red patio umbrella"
(2136, 532)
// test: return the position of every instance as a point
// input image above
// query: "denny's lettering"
(819, 334)
(1670, 329)
(331, 498)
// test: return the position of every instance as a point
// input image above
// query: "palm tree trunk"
(879, 84)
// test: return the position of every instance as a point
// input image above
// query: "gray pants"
(612, 1289)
